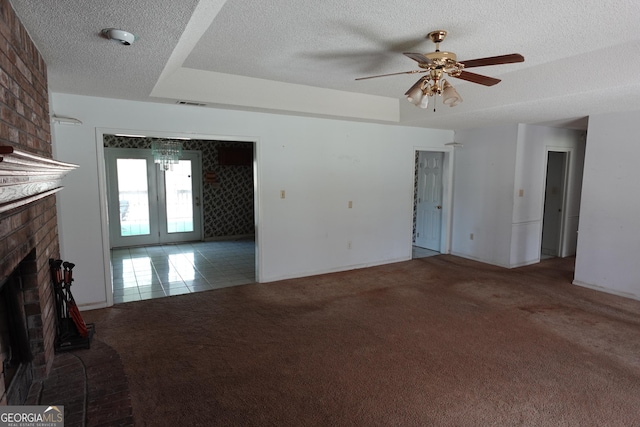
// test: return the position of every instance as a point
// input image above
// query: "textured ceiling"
(581, 57)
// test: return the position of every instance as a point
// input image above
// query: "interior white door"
(429, 201)
(148, 206)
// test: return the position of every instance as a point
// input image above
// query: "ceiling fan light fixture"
(415, 97)
(424, 103)
(450, 95)
(456, 102)
(415, 94)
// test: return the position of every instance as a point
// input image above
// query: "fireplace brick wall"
(29, 234)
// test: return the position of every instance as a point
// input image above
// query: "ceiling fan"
(438, 64)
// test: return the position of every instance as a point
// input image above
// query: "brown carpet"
(436, 341)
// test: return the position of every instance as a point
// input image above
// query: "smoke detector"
(124, 37)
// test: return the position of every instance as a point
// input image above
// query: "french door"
(149, 206)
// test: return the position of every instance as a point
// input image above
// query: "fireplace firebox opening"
(15, 347)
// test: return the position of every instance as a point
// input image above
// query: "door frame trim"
(102, 189)
(447, 194)
(569, 153)
(420, 189)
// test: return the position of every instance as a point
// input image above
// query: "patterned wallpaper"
(416, 174)
(227, 206)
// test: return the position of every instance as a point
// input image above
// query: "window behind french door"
(148, 206)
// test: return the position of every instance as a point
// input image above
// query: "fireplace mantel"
(26, 177)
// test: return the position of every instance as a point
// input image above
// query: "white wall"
(534, 143)
(493, 167)
(320, 163)
(609, 235)
(484, 170)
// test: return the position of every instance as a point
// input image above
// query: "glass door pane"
(133, 196)
(179, 198)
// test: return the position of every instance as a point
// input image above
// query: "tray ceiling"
(580, 57)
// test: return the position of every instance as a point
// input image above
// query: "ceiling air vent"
(194, 104)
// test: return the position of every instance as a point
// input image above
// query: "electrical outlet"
(471, 236)
(349, 244)
(282, 194)
(350, 204)
(521, 193)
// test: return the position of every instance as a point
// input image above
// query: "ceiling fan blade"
(375, 36)
(478, 78)
(392, 74)
(362, 62)
(415, 86)
(420, 58)
(493, 60)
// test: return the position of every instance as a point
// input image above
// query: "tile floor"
(419, 252)
(159, 271)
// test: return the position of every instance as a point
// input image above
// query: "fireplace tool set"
(71, 331)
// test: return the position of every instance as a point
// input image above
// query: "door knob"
(438, 207)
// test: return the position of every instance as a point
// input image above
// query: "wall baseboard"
(301, 275)
(234, 237)
(606, 290)
(92, 306)
(484, 261)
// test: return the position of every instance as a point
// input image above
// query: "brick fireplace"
(28, 223)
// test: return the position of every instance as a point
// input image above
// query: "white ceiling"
(581, 57)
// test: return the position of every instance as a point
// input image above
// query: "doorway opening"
(197, 229)
(429, 230)
(554, 205)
